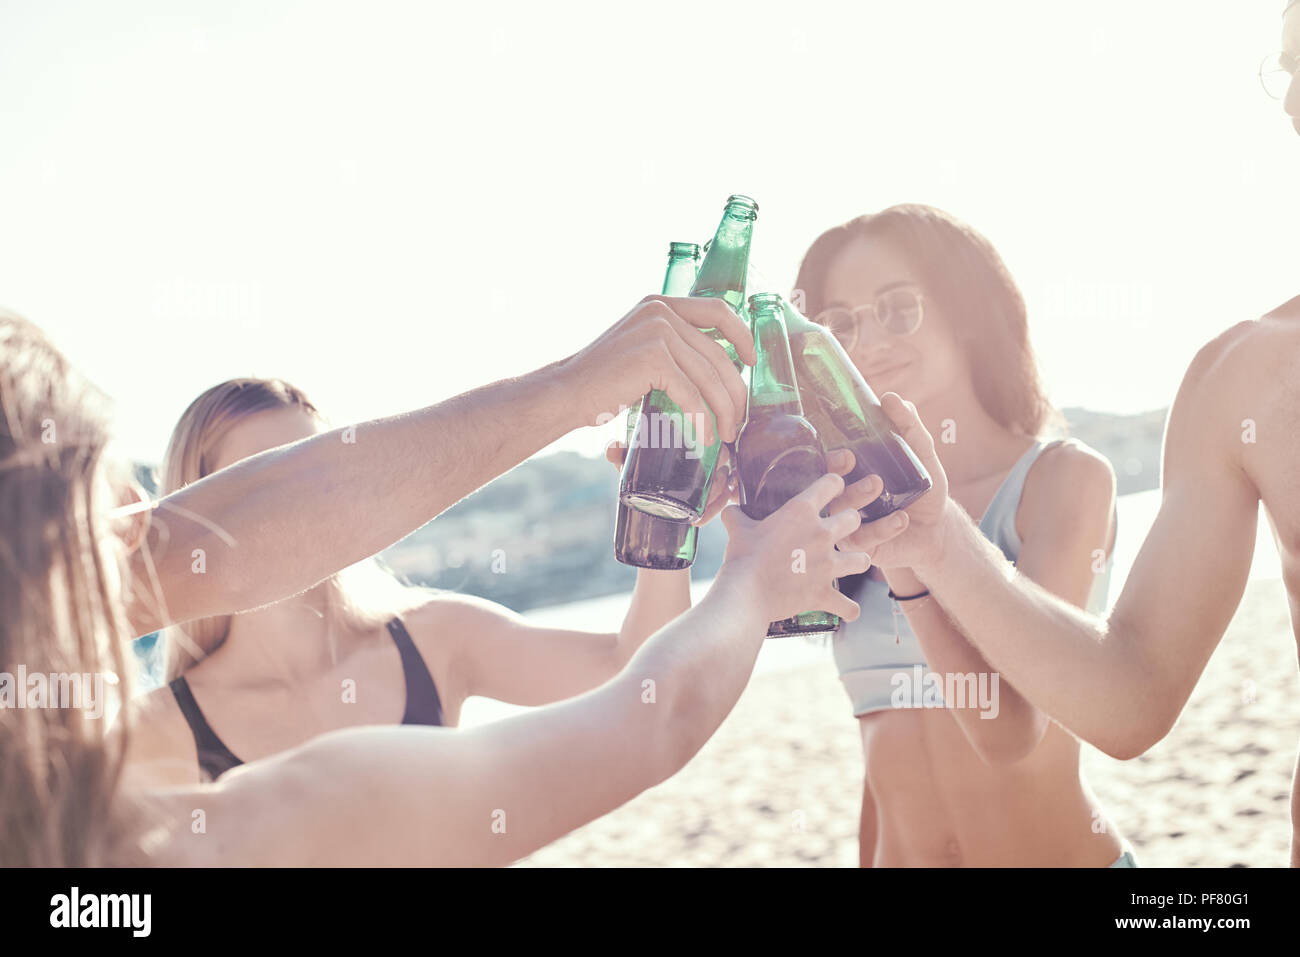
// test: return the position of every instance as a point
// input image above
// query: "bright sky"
(390, 203)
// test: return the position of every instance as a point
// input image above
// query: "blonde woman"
(83, 567)
(359, 648)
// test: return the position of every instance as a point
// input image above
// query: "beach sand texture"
(780, 783)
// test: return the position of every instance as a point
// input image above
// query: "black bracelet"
(921, 594)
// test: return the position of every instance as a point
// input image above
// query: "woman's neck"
(970, 443)
(285, 642)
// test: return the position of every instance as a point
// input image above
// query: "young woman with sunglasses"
(925, 308)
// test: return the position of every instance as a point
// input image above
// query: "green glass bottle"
(778, 453)
(847, 414)
(668, 471)
(642, 539)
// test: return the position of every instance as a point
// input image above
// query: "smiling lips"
(883, 369)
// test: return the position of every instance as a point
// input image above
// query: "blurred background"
(389, 203)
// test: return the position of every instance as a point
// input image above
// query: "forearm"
(1068, 663)
(700, 675)
(659, 597)
(542, 774)
(279, 522)
(1001, 730)
(381, 794)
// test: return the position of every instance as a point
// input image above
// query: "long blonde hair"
(61, 610)
(357, 598)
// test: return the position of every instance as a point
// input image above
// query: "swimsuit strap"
(423, 706)
(998, 523)
(215, 759)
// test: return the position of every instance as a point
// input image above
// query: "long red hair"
(961, 271)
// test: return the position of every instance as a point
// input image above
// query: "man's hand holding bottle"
(658, 345)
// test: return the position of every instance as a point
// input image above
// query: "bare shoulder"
(445, 620)
(445, 627)
(160, 750)
(1245, 356)
(1070, 485)
(1071, 470)
(1242, 384)
(442, 611)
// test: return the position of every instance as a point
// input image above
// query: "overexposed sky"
(389, 203)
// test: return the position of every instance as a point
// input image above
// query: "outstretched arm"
(489, 795)
(1065, 527)
(500, 654)
(1118, 683)
(279, 522)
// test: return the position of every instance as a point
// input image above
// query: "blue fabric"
(869, 652)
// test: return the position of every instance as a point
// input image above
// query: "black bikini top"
(423, 706)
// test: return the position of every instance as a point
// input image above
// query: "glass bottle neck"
(795, 321)
(680, 275)
(726, 266)
(772, 386)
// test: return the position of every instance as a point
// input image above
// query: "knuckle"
(647, 311)
(658, 324)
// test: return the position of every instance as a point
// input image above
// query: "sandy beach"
(780, 783)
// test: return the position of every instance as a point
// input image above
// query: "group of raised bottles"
(806, 398)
